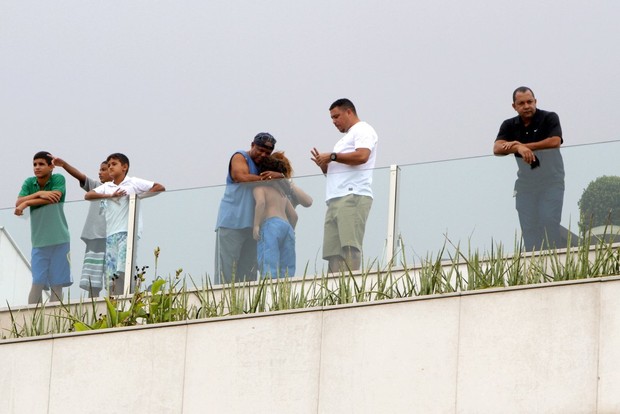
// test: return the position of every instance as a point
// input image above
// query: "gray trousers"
(235, 255)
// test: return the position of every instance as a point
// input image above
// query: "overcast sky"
(179, 85)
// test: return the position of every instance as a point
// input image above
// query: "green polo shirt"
(48, 225)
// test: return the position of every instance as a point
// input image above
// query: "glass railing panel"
(585, 164)
(15, 275)
(310, 227)
(469, 202)
(16, 252)
(377, 226)
(90, 224)
(466, 203)
(181, 224)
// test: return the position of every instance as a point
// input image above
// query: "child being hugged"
(116, 206)
(274, 222)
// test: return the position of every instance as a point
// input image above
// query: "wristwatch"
(333, 156)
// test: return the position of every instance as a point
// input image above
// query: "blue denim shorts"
(51, 265)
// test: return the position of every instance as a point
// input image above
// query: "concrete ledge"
(541, 348)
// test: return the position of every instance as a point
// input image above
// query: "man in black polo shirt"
(535, 136)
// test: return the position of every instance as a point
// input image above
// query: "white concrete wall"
(552, 348)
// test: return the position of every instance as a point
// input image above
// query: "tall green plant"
(167, 300)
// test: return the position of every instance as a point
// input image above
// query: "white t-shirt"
(117, 209)
(343, 179)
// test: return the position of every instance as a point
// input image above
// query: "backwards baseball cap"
(265, 140)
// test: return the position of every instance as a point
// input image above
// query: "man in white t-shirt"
(116, 207)
(348, 169)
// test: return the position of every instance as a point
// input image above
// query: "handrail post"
(132, 237)
(392, 231)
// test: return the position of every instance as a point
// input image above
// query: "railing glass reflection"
(182, 224)
(179, 223)
(467, 203)
(16, 246)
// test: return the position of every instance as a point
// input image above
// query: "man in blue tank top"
(235, 247)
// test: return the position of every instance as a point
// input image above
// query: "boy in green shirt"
(45, 194)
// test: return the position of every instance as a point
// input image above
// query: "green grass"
(171, 299)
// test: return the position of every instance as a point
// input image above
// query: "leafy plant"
(163, 301)
(167, 300)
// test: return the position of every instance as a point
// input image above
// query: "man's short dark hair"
(43, 155)
(122, 158)
(343, 103)
(521, 89)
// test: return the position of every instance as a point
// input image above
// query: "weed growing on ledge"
(169, 300)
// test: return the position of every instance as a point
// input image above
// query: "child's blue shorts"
(51, 265)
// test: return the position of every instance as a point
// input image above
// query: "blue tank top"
(237, 205)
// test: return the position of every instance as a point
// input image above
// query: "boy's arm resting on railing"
(39, 198)
(157, 188)
(93, 195)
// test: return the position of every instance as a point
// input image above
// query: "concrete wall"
(552, 348)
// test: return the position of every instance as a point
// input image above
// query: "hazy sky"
(179, 85)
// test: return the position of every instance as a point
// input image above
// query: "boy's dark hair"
(271, 164)
(343, 103)
(122, 158)
(43, 155)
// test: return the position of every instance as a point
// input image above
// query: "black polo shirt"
(544, 124)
